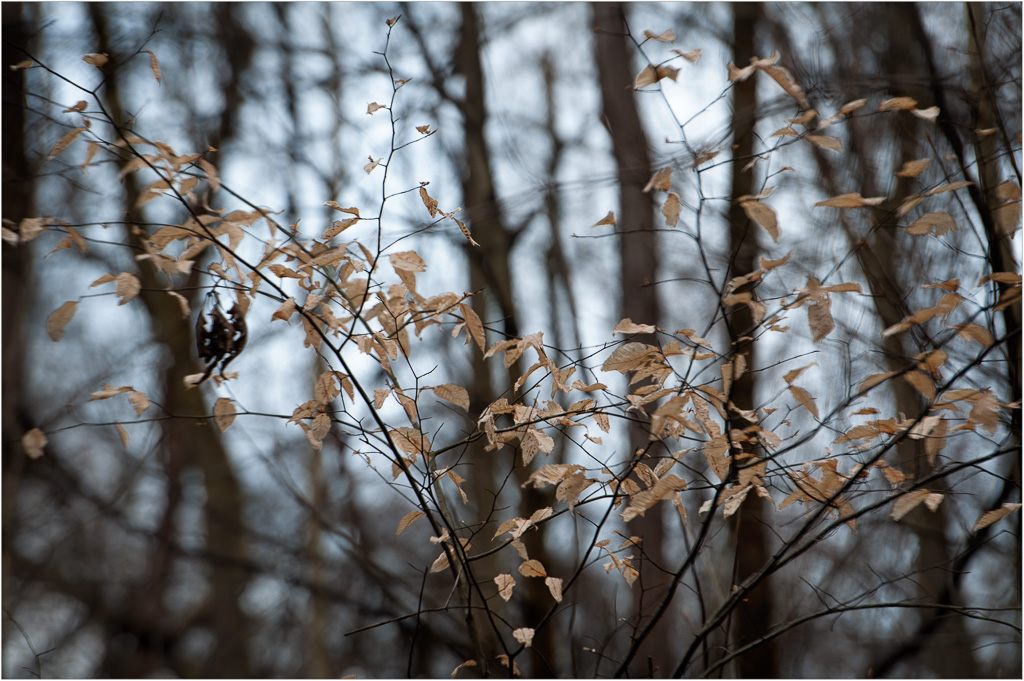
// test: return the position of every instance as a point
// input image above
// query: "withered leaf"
(65, 141)
(407, 520)
(628, 326)
(671, 209)
(223, 413)
(505, 584)
(913, 168)
(661, 180)
(429, 202)
(995, 515)
(524, 635)
(154, 65)
(59, 318)
(474, 325)
(666, 37)
(804, 398)
(97, 60)
(898, 103)
(830, 143)
(606, 220)
(851, 200)
(139, 402)
(692, 56)
(532, 568)
(908, 502)
(554, 585)
(456, 394)
(408, 260)
(33, 441)
(127, 287)
(764, 216)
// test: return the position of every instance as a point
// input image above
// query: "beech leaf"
(33, 441)
(407, 520)
(223, 413)
(59, 318)
(995, 516)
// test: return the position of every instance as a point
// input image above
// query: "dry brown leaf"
(666, 37)
(851, 200)
(456, 394)
(930, 114)
(223, 413)
(97, 60)
(647, 76)
(606, 220)
(430, 203)
(921, 383)
(506, 583)
(336, 228)
(898, 103)
(59, 318)
(804, 398)
(784, 78)
(554, 585)
(692, 56)
(764, 216)
(34, 441)
(286, 310)
(974, 332)
(373, 107)
(941, 222)
(524, 635)
(628, 357)
(913, 168)
(830, 143)
(154, 65)
(661, 180)
(465, 231)
(407, 520)
(767, 264)
(850, 107)
(65, 141)
(985, 412)
(368, 168)
(467, 663)
(127, 287)
(951, 187)
(109, 391)
(819, 318)
(671, 209)
(995, 516)
(532, 568)
(139, 402)
(474, 325)
(907, 502)
(409, 261)
(122, 433)
(628, 326)
(792, 375)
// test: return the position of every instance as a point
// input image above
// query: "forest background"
(726, 380)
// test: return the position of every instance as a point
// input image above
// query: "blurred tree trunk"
(638, 267)
(490, 269)
(752, 618)
(18, 188)
(186, 442)
(945, 649)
